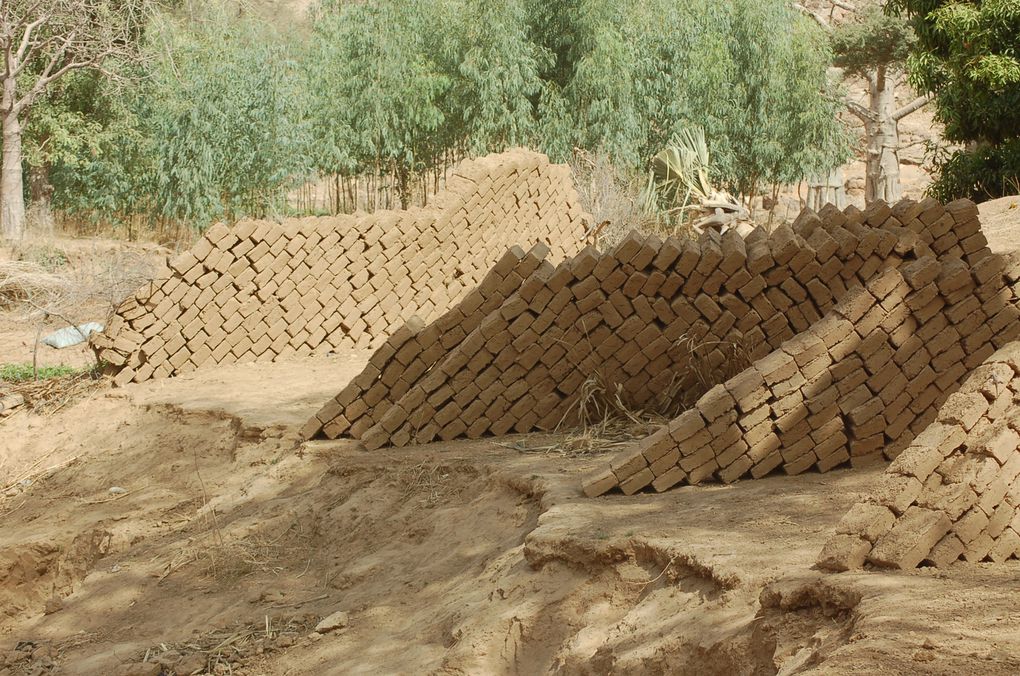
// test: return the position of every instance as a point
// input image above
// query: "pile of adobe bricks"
(954, 492)
(260, 290)
(859, 325)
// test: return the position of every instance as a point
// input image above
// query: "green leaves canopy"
(968, 56)
(228, 115)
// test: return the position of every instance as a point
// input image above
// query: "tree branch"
(24, 50)
(819, 19)
(860, 111)
(919, 102)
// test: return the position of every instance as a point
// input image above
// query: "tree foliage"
(968, 56)
(872, 39)
(228, 114)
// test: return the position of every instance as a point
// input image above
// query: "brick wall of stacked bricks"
(954, 492)
(859, 384)
(260, 290)
(936, 306)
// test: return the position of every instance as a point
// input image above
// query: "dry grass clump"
(228, 649)
(604, 420)
(428, 480)
(26, 281)
(49, 395)
(613, 199)
(228, 561)
(74, 283)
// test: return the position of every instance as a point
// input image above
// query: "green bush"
(23, 373)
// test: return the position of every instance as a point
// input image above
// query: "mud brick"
(804, 348)
(973, 243)
(896, 492)
(763, 447)
(636, 482)
(964, 409)
(843, 552)
(1000, 443)
(685, 425)
(978, 548)
(802, 458)
(1006, 545)
(716, 402)
(911, 540)
(670, 478)
(766, 465)
(948, 550)
(747, 389)
(736, 470)
(1000, 519)
(794, 413)
(921, 272)
(776, 367)
(832, 330)
(599, 483)
(867, 521)
(628, 464)
(666, 462)
(855, 303)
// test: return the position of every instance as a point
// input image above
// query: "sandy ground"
(456, 558)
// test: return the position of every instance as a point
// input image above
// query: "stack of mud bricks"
(396, 381)
(861, 323)
(954, 492)
(860, 383)
(260, 290)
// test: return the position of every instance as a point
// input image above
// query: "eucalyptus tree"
(752, 74)
(219, 109)
(42, 41)
(381, 76)
(499, 79)
(590, 98)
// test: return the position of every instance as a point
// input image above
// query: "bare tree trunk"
(40, 195)
(882, 172)
(827, 190)
(12, 196)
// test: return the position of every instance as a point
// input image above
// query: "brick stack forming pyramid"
(858, 325)
(954, 492)
(258, 290)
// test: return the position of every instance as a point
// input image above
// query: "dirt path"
(466, 557)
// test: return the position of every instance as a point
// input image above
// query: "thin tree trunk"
(882, 171)
(12, 196)
(827, 190)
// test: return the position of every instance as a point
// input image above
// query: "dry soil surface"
(224, 542)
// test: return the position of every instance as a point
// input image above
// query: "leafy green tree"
(381, 76)
(752, 74)
(41, 43)
(499, 79)
(968, 56)
(874, 46)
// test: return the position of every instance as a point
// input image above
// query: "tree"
(874, 46)
(42, 41)
(499, 75)
(968, 57)
(381, 78)
(752, 74)
(219, 105)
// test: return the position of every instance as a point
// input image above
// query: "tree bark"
(882, 168)
(12, 195)
(829, 189)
